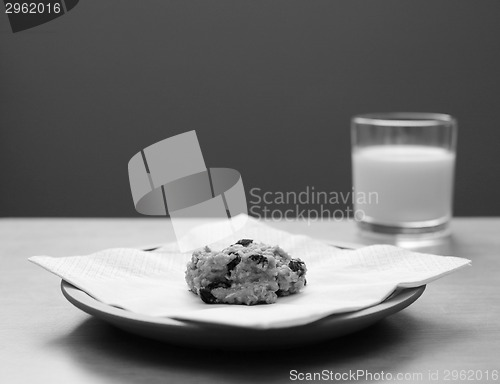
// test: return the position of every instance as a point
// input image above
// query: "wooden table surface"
(452, 331)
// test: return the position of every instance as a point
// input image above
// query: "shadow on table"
(111, 353)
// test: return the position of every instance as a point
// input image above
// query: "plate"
(208, 335)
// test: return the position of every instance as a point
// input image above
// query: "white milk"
(411, 183)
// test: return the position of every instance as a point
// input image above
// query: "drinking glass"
(403, 171)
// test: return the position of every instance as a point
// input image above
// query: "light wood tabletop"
(452, 332)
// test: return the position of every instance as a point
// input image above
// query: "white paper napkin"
(152, 283)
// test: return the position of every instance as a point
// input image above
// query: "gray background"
(269, 86)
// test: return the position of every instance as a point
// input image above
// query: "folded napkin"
(152, 283)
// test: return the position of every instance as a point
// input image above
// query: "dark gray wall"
(269, 86)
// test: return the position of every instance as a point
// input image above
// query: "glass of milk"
(403, 166)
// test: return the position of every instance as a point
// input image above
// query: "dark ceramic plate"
(207, 335)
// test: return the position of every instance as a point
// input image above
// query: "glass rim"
(404, 119)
